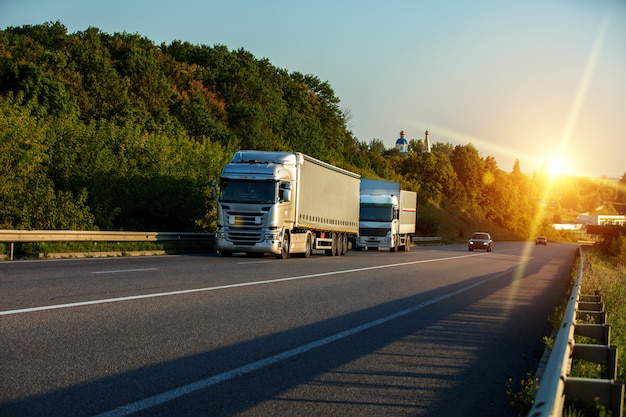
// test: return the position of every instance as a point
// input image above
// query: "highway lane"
(436, 331)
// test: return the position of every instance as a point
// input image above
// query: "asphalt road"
(434, 332)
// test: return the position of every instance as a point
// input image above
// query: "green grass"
(604, 273)
(46, 249)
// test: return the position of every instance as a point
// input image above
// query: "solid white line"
(222, 287)
(253, 262)
(118, 271)
(171, 395)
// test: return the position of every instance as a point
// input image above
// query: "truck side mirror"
(287, 193)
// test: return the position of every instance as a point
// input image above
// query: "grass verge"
(93, 249)
(605, 273)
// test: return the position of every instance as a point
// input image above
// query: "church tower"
(402, 144)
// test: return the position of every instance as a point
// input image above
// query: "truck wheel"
(344, 244)
(394, 248)
(336, 244)
(284, 249)
(407, 243)
(309, 246)
(340, 249)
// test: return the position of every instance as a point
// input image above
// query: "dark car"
(541, 240)
(480, 240)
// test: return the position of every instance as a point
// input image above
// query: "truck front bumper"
(265, 246)
(373, 242)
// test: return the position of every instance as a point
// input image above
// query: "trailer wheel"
(340, 250)
(336, 244)
(284, 248)
(344, 244)
(333, 246)
(407, 243)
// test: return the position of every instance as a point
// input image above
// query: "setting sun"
(560, 163)
(556, 166)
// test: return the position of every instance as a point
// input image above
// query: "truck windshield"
(376, 212)
(247, 191)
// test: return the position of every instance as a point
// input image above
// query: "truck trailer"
(286, 203)
(387, 216)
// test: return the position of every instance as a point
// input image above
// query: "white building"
(600, 219)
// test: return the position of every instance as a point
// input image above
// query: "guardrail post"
(599, 332)
(598, 317)
(608, 392)
(601, 354)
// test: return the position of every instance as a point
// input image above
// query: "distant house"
(601, 219)
(568, 226)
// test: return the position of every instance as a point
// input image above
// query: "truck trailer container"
(286, 203)
(387, 216)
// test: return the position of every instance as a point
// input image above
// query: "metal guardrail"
(426, 238)
(27, 236)
(555, 383)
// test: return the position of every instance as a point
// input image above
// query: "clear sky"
(534, 80)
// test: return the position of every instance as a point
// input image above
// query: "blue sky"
(534, 80)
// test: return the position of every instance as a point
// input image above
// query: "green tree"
(620, 198)
(28, 199)
(469, 168)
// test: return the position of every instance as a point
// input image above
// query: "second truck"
(387, 216)
(285, 203)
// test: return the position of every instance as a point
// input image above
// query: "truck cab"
(378, 222)
(255, 203)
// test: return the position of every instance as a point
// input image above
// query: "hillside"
(112, 132)
(455, 226)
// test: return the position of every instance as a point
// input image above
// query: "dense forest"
(113, 132)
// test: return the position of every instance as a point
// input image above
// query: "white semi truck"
(387, 216)
(285, 203)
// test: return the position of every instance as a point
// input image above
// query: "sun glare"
(559, 164)
(556, 166)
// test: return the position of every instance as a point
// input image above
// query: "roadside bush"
(617, 248)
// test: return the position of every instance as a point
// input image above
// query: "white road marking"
(119, 271)
(253, 262)
(222, 287)
(202, 384)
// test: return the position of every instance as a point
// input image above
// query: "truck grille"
(373, 231)
(244, 239)
(236, 219)
(251, 222)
